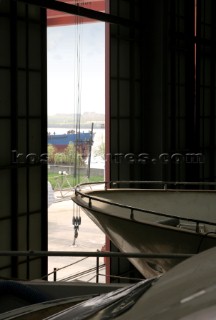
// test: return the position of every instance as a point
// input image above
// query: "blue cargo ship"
(82, 140)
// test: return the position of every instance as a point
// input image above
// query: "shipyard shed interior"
(160, 108)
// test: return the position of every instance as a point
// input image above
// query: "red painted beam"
(56, 18)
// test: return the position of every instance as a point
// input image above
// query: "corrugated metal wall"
(23, 132)
(162, 92)
(125, 91)
(190, 119)
(206, 86)
(125, 100)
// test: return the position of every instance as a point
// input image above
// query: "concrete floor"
(61, 238)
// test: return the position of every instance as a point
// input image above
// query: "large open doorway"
(76, 136)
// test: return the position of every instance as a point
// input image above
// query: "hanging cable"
(78, 93)
(76, 219)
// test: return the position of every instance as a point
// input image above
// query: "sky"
(76, 68)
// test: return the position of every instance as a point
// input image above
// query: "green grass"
(67, 181)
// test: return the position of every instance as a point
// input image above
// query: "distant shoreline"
(68, 121)
(71, 126)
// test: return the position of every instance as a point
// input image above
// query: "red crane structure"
(57, 18)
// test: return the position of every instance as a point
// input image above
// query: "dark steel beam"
(81, 11)
(32, 253)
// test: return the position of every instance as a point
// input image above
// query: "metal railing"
(80, 190)
(87, 254)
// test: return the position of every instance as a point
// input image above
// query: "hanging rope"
(78, 92)
(76, 219)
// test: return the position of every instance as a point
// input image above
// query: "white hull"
(187, 292)
(126, 217)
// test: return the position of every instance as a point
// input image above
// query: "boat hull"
(143, 233)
